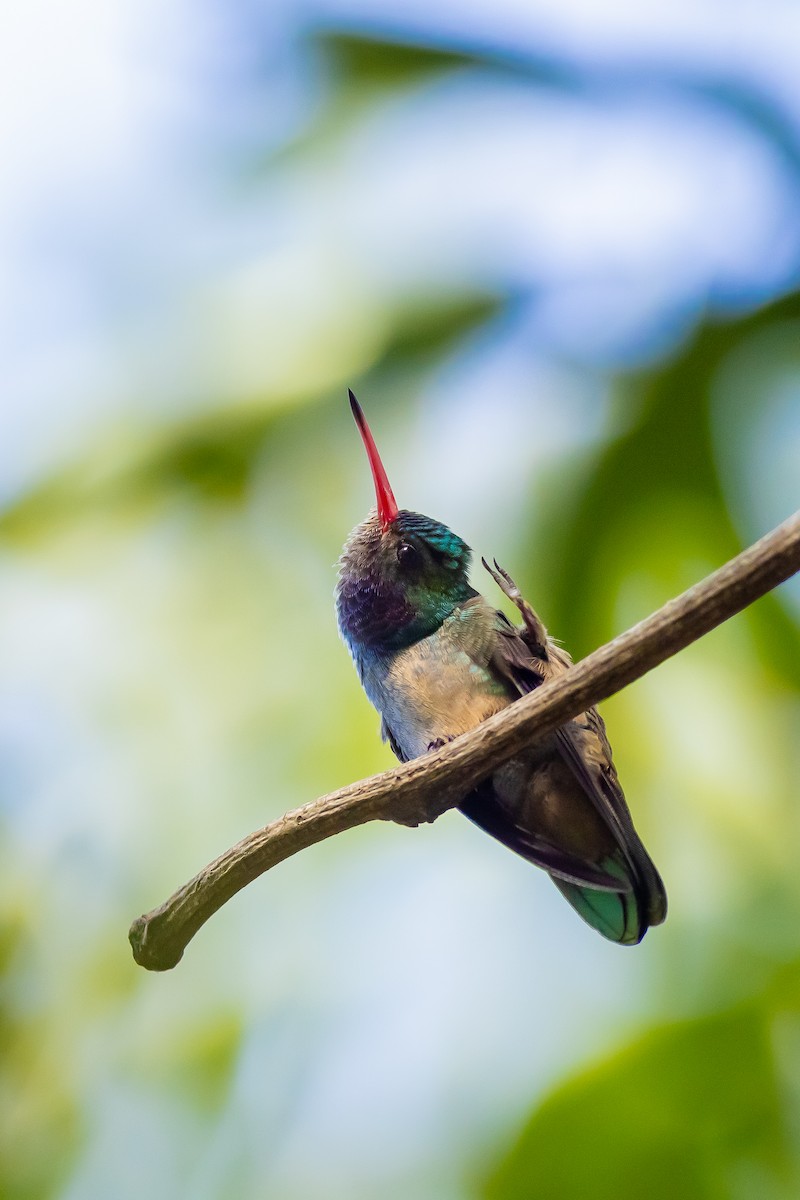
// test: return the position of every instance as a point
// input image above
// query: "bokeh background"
(555, 248)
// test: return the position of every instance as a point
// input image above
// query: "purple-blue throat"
(383, 606)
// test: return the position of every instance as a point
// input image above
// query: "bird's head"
(401, 573)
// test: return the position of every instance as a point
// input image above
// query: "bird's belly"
(433, 692)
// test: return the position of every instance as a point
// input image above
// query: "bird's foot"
(425, 813)
(533, 623)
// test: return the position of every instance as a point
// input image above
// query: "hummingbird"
(435, 659)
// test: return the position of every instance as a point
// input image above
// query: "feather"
(527, 660)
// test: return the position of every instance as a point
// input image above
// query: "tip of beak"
(387, 505)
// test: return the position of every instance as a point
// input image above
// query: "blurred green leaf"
(375, 63)
(208, 458)
(364, 69)
(40, 1115)
(212, 457)
(684, 1112)
(197, 1062)
(659, 472)
(429, 328)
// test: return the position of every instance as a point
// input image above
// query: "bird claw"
(425, 812)
(533, 623)
(504, 581)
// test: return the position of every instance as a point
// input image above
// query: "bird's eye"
(406, 555)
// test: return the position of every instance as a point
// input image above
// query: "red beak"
(387, 505)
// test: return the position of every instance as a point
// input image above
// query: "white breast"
(439, 687)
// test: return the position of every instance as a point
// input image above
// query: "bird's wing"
(394, 745)
(526, 659)
(582, 742)
(482, 808)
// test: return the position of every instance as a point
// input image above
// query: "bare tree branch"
(424, 788)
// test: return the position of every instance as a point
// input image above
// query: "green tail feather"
(619, 916)
(614, 914)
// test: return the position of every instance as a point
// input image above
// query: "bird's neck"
(380, 617)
